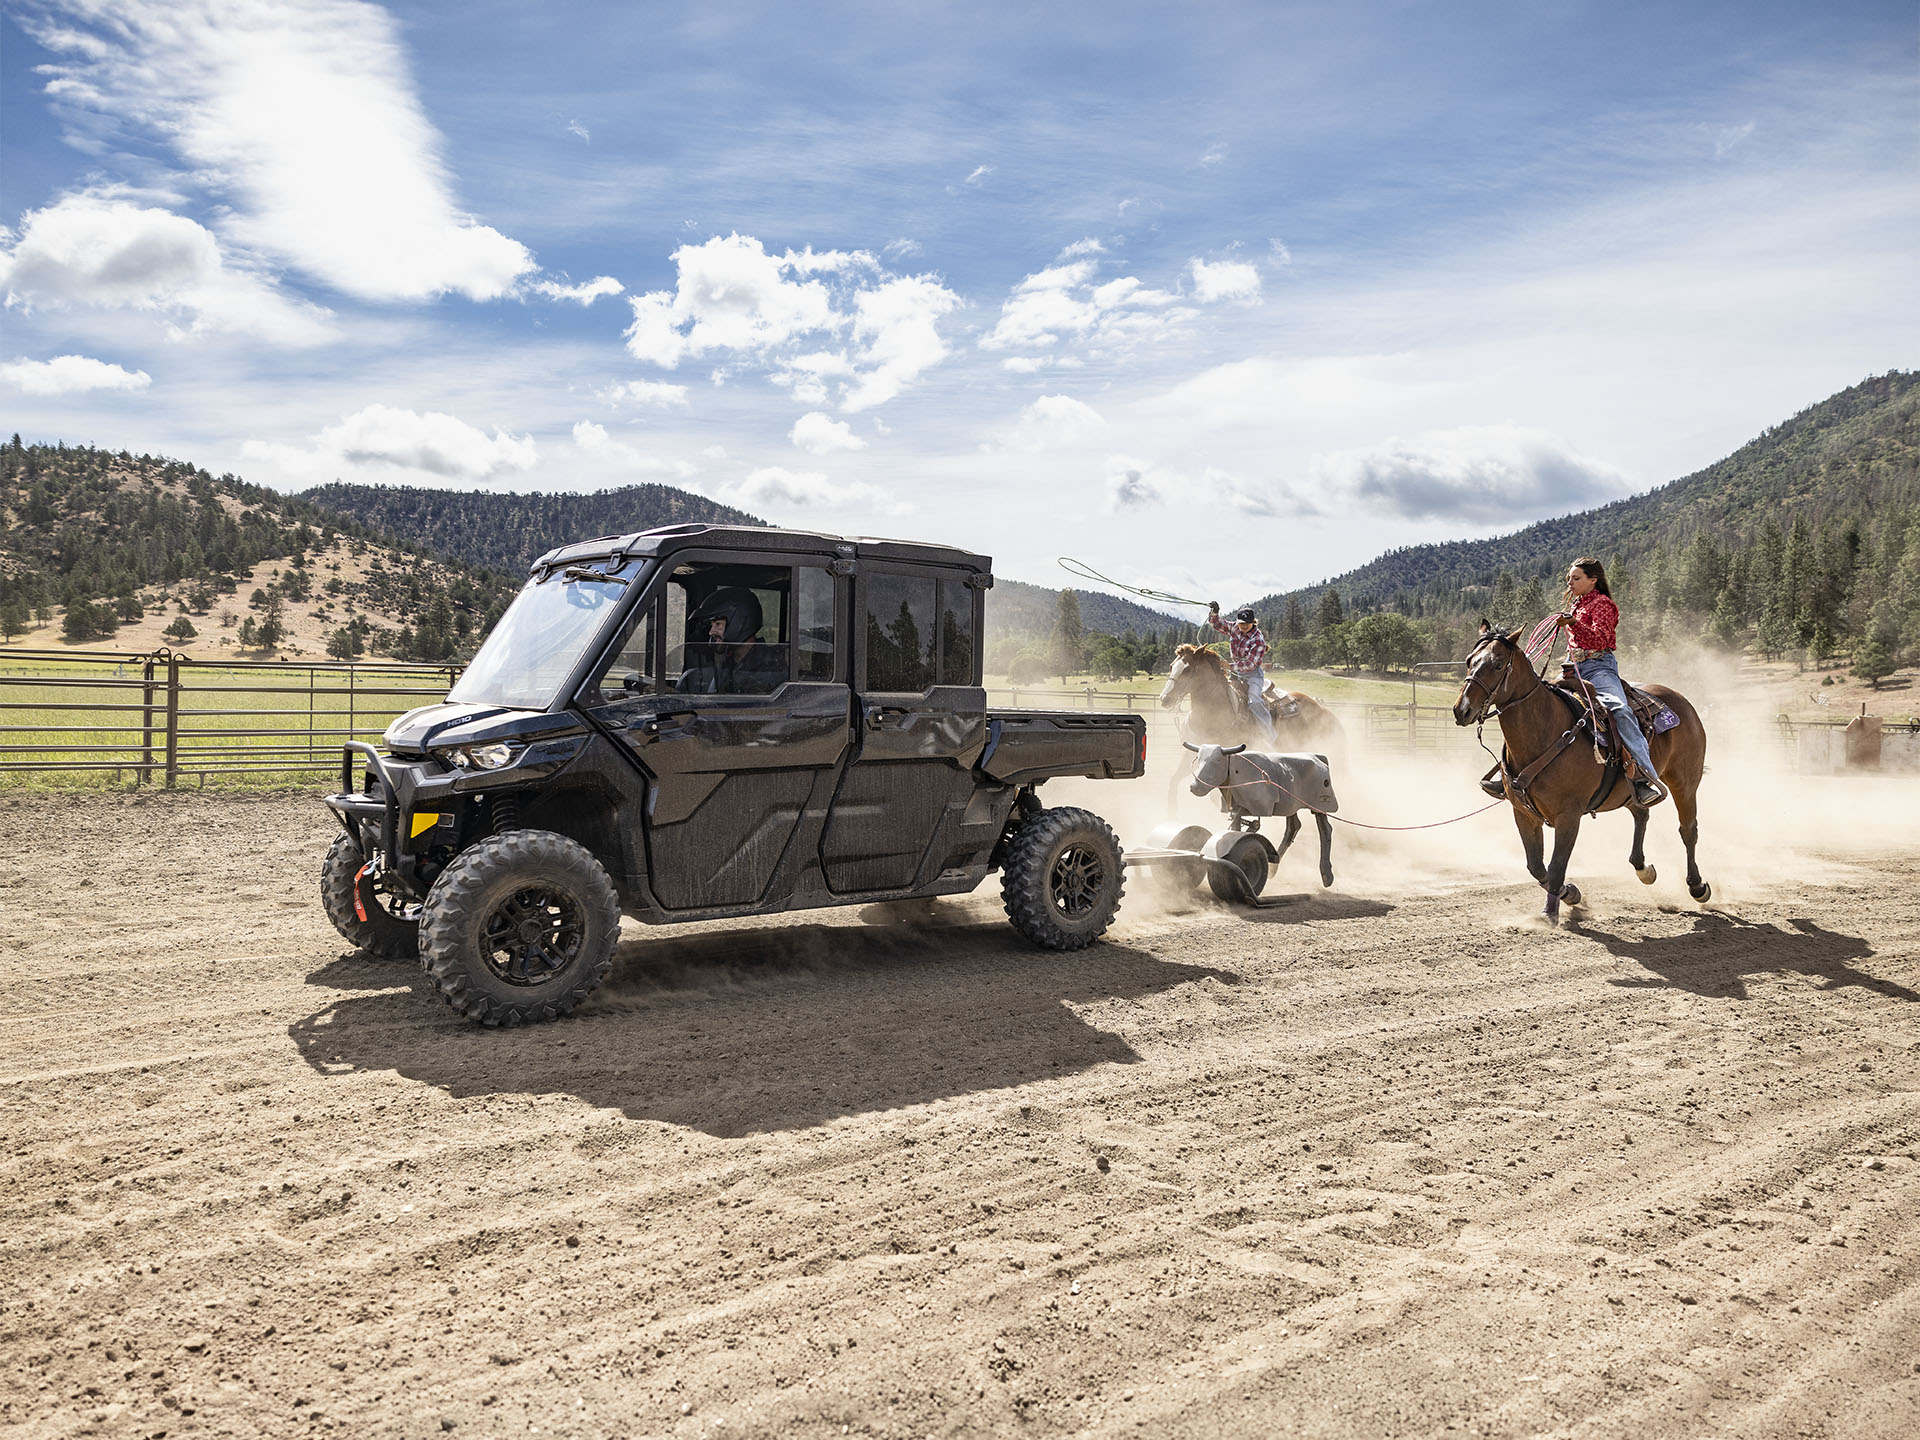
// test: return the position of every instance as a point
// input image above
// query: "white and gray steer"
(1256, 785)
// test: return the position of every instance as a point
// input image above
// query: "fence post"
(146, 724)
(1413, 729)
(173, 719)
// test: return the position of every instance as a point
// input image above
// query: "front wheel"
(519, 927)
(391, 924)
(1063, 878)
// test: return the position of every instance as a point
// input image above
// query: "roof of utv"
(670, 538)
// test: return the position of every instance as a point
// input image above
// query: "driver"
(725, 655)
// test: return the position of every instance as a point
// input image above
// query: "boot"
(1493, 783)
(1648, 792)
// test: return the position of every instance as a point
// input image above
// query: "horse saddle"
(1654, 715)
(1280, 704)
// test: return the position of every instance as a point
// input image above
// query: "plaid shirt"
(1594, 619)
(1249, 650)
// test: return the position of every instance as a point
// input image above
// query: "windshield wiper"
(599, 577)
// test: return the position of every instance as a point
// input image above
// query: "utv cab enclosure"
(703, 721)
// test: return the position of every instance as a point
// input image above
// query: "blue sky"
(1219, 297)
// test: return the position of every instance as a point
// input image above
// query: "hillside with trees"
(1803, 543)
(100, 545)
(508, 531)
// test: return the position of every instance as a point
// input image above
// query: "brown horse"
(1216, 716)
(1501, 683)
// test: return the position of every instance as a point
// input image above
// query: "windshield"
(540, 639)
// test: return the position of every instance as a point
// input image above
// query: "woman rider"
(1591, 617)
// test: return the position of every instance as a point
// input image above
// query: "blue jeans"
(1604, 676)
(1256, 683)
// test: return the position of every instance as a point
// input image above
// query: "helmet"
(733, 604)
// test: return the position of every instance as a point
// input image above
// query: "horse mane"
(1203, 652)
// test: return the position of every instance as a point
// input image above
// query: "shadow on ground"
(1717, 955)
(736, 1033)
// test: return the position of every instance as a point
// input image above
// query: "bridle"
(1489, 710)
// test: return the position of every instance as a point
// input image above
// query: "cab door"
(731, 770)
(920, 724)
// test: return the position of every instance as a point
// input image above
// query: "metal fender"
(1221, 845)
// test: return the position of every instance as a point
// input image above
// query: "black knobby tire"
(1063, 878)
(1249, 857)
(520, 927)
(392, 927)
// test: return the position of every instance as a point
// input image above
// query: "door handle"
(662, 721)
(877, 716)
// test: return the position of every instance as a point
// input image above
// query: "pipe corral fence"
(164, 718)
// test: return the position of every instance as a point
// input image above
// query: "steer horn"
(1233, 749)
(1191, 746)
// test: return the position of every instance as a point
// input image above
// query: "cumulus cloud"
(592, 439)
(657, 394)
(1128, 487)
(822, 435)
(382, 438)
(774, 487)
(1067, 302)
(734, 298)
(1475, 473)
(1227, 280)
(299, 114)
(1056, 420)
(1133, 482)
(584, 294)
(71, 375)
(112, 254)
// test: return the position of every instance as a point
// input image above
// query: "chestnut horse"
(1501, 683)
(1302, 724)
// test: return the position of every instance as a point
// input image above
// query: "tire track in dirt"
(1371, 1165)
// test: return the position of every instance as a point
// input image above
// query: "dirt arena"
(1388, 1160)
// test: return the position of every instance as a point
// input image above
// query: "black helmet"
(734, 605)
(1245, 614)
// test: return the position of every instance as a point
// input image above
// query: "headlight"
(481, 757)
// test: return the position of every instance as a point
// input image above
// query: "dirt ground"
(1388, 1160)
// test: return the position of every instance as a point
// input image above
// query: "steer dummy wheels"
(1249, 857)
(1062, 878)
(392, 927)
(520, 927)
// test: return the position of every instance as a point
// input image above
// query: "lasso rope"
(1358, 824)
(1087, 572)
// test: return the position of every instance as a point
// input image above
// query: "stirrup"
(1648, 793)
(1494, 784)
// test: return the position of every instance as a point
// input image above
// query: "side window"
(729, 629)
(813, 624)
(956, 633)
(630, 672)
(902, 633)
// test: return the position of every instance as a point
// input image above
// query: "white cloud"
(1280, 251)
(1227, 280)
(1055, 420)
(584, 294)
(902, 249)
(1128, 486)
(300, 113)
(732, 296)
(71, 375)
(774, 487)
(822, 435)
(654, 393)
(92, 250)
(1134, 483)
(574, 127)
(1474, 473)
(1088, 246)
(980, 172)
(1063, 303)
(381, 438)
(1216, 154)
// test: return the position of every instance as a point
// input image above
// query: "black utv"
(699, 722)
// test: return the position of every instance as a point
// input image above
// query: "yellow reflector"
(424, 821)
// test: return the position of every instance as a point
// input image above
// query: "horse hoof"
(1704, 893)
(1570, 894)
(1326, 877)
(1648, 875)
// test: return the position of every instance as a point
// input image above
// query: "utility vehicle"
(707, 721)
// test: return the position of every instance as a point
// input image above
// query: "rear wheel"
(519, 927)
(1249, 857)
(392, 927)
(1062, 879)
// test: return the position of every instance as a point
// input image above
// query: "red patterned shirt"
(1594, 618)
(1249, 650)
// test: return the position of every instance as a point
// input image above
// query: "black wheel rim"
(1079, 875)
(533, 935)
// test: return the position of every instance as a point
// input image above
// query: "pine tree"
(1068, 635)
